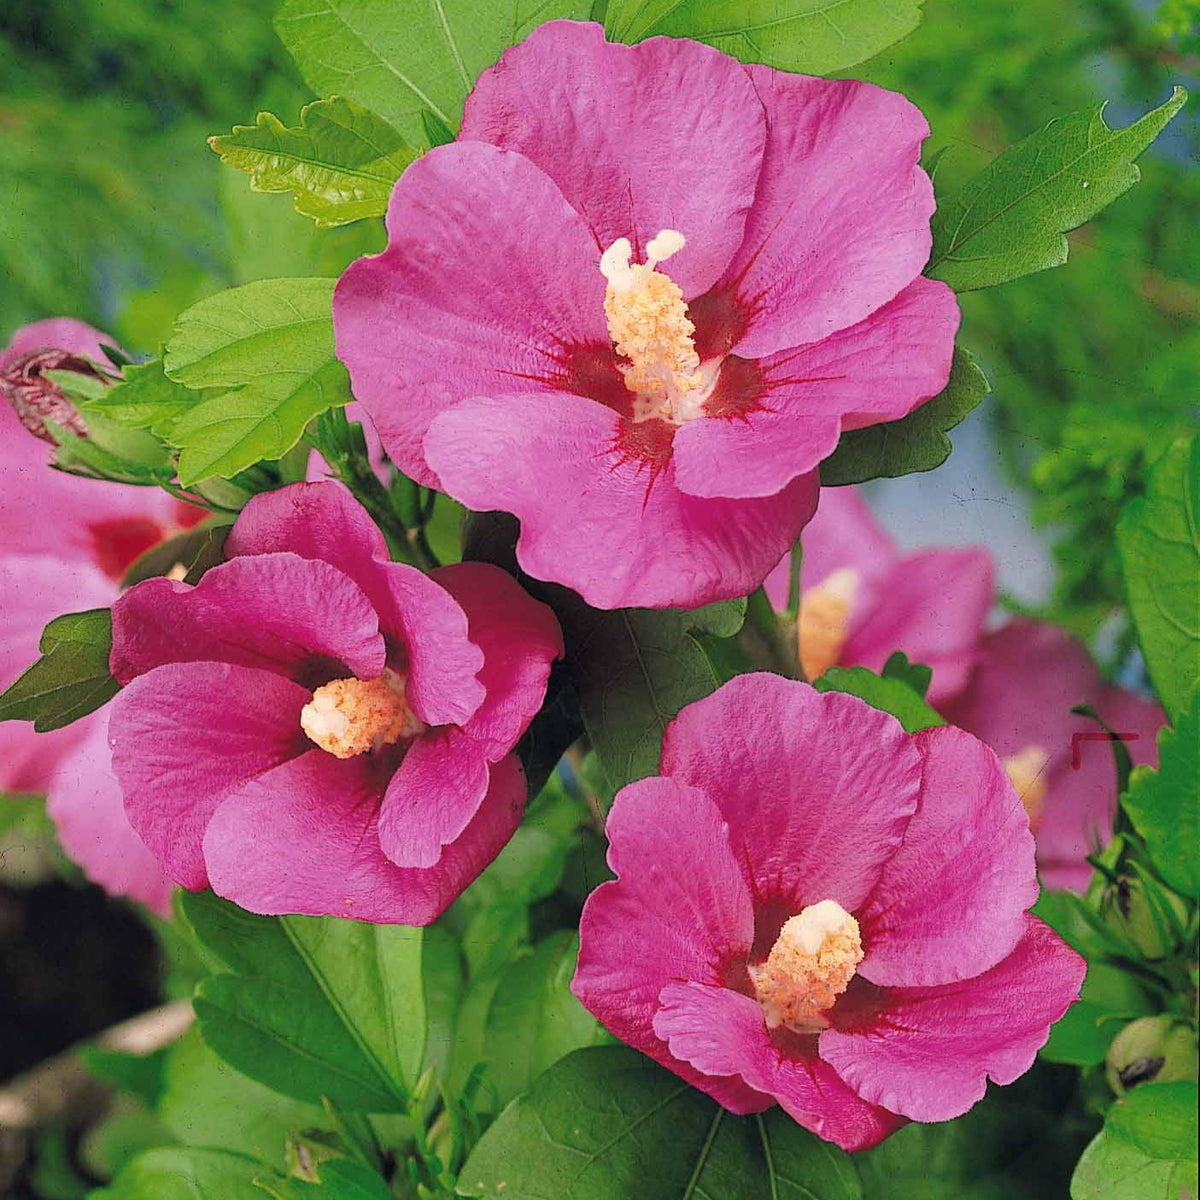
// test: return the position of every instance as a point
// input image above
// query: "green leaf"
(340, 162)
(634, 669)
(142, 1075)
(340, 1179)
(1010, 220)
(1164, 805)
(533, 1019)
(917, 676)
(269, 347)
(1110, 998)
(1158, 536)
(889, 695)
(145, 399)
(402, 60)
(917, 442)
(813, 36)
(1146, 1150)
(184, 1173)
(313, 1007)
(71, 679)
(606, 1123)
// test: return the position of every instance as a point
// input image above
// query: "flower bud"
(36, 399)
(1151, 1049)
(306, 1151)
(1128, 909)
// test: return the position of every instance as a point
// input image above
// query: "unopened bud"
(37, 399)
(306, 1151)
(1148, 923)
(1151, 1050)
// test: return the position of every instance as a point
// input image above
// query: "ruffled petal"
(951, 901)
(490, 284)
(929, 1052)
(840, 224)
(58, 333)
(184, 736)
(432, 797)
(276, 612)
(720, 1031)
(84, 801)
(932, 605)
(600, 510)
(679, 908)
(668, 134)
(323, 521)
(817, 789)
(304, 839)
(778, 417)
(519, 638)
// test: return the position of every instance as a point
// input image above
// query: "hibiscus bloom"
(315, 729)
(861, 599)
(638, 301)
(816, 909)
(1029, 676)
(65, 543)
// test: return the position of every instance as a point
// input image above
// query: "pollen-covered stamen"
(354, 716)
(824, 624)
(809, 967)
(649, 325)
(1027, 770)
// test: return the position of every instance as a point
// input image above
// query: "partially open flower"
(816, 909)
(639, 299)
(316, 729)
(65, 543)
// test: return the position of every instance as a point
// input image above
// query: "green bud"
(1151, 923)
(1151, 1049)
(306, 1151)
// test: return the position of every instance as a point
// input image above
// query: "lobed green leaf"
(887, 693)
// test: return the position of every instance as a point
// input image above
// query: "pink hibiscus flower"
(65, 542)
(861, 599)
(1019, 700)
(816, 909)
(638, 301)
(315, 729)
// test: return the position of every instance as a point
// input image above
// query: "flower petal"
(781, 415)
(932, 605)
(679, 908)
(951, 901)
(184, 736)
(929, 1052)
(304, 839)
(841, 220)
(519, 638)
(323, 521)
(490, 283)
(668, 134)
(432, 797)
(594, 516)
(277, 612)
(719, 1031)
(58, 333)
(84, 801)
(817, 789)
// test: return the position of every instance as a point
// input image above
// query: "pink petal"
(719, 1031)
(932, 606)
(323, 521)
(840, 224)
(519, 638)
(1029, 676)
(432, 797)
(844, 533)
(680, 908)
(490, 285)
(781, 415)
(931, 1051)
(668, 134)
(278, 612)
(58, 333)
(304, 839)
(600, 519)
(817, 789)
(951, 901)
(184, 736)
(84, 801)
